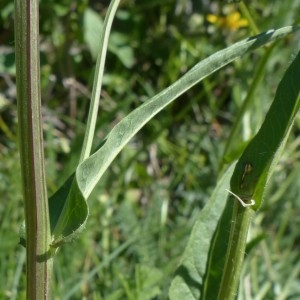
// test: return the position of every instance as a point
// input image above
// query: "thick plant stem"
(241, 219)
(38, 260)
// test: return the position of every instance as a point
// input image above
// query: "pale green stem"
(241, 219)
(247, 14)
(95, 99)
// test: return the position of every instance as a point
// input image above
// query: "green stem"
(97, 85)
(247, 14)
(241, 219)
(38, 259)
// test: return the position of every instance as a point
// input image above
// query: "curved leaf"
(253, 170)
(68, 208)
(91, 170)
(204, 262)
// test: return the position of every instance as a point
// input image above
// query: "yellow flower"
(232, 21)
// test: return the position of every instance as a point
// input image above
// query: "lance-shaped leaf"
(89, 172)
(212, 261)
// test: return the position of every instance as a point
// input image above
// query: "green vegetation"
(142, 211)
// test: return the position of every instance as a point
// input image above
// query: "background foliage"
(143, 210)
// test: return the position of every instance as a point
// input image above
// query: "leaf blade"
(189, 276)
(90, 171)
(264, 149)
(254, 168)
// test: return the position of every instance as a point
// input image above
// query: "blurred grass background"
(144, 208)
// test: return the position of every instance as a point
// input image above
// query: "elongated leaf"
(189, 277)
(97, 84)
(68, 209)
(204, 262)
(250, 175)
(90, 170)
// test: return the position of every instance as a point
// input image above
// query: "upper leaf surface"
(69, 209)
(252, 170)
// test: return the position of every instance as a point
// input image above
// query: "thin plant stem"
(247, 14)
(38, 237)
(241, 219)
(97, 84)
